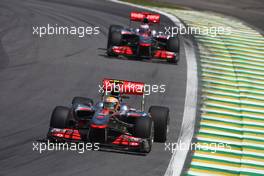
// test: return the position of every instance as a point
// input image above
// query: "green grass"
(155, 3)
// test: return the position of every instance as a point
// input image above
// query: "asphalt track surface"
(36, 74)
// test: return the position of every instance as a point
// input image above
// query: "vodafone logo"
(153, 18)
(139, 16)
(135, 15)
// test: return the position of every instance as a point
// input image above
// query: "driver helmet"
(144, 27)
(111, 103)
(145, 21)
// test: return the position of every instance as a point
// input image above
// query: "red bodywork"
(127, 140)
(126, 50)
(164, 54)
(129, 51)
(160, 54)
(74, 135)
(139, 16)
(66, 133)
(124, 140)
(125, 87)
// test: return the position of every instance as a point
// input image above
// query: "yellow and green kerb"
(232, 110)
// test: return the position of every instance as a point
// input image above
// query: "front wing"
(121, 142)
(130, 51)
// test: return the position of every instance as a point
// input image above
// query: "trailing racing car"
(111, 122)
(142, 42)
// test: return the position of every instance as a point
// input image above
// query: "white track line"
(187, 129)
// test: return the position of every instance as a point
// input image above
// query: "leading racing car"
(142, 42)
(111, 122)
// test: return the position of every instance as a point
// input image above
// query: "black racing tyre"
(82, 100)
(115, 27)
(144, 129)
(114, 38)
(60, 117)
(160, 117)
(173, 45)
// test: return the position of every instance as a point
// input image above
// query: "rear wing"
(139, 16)
(124, 87)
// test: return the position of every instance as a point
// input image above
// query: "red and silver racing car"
(142, 42)
(111, 122)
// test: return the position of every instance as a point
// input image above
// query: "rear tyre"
(60, 117)
(173, 45)
(82, 100)
(114, 38)
(144, 129)
(160, 117)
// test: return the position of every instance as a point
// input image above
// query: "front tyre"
(144, 129)
(160, 117)
(173, 45)
(60, 117)
(114, 38)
